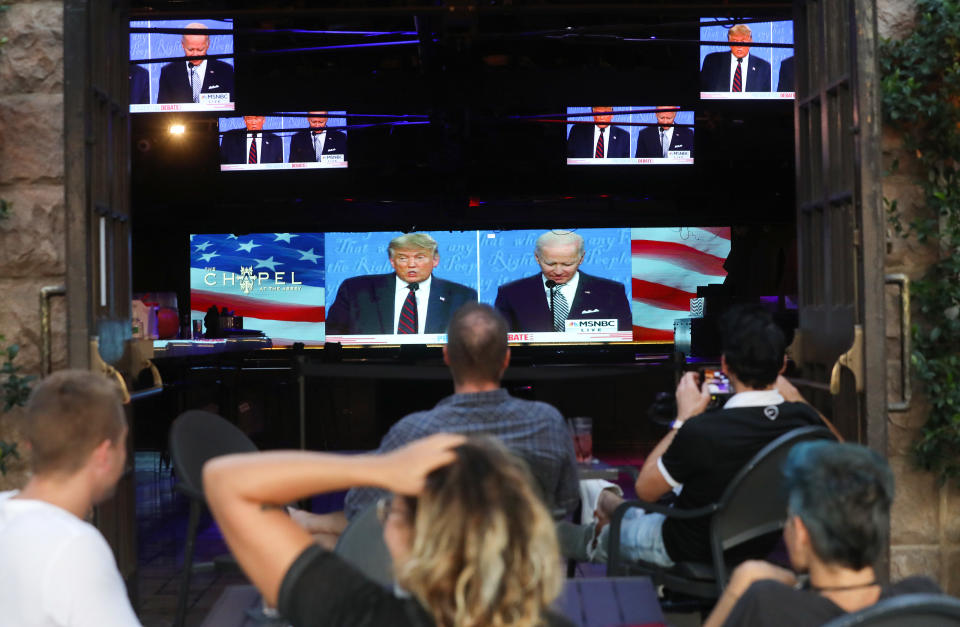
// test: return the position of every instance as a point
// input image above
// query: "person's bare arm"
(692, 399)
(246, 493)
(743, 577)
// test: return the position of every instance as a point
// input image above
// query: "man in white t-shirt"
(58, 569)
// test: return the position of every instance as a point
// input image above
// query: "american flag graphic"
(667, 266)
(274, 280)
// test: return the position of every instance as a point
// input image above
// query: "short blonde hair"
(485, 549)
(420, 241)
(739, 29)
(68, 415)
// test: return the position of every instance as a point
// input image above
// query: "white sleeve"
(83, 588)
(666, 475)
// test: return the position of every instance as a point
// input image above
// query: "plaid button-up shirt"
(533, 430)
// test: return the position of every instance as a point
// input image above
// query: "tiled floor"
(161, 531)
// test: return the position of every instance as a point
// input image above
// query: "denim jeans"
(640, 539)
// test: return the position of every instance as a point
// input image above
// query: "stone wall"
(32, 241)
(925, 526)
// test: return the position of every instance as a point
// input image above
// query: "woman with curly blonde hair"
(470, 540)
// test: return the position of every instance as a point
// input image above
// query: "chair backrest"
(361, 544)
(197, 436)
(915, 610)
(754, 503)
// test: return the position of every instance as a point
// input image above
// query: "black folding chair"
(195, 437)
(746, 520)
(915, 610)
(361, 544)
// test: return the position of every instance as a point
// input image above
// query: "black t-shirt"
(321, 589)
(770, 602)
(705, 455)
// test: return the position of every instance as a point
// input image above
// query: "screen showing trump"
(181, 65)
(596, 285)
(284, 141)
(641, 135)
(398, 288)
(746, 60)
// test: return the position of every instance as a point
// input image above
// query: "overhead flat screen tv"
(738, 70)
(640, 135)
(288, 141)
(606, 285)
(163, 79)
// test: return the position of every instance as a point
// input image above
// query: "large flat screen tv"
(553, 286)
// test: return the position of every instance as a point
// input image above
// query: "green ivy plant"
(14, 391)
(15, 387)
(921, 97)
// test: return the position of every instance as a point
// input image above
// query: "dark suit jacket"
(364, 305)
(301, 146)
(139, 85)
(648, 142)
(524, 304)
(715, 74)
(580, 143)
(233, 148)
(175, 83)
(785, 82)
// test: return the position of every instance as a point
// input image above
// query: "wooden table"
(600, 602)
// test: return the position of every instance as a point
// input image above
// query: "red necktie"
(737, 77)
(598, 153)
(408, 314)
(252, 157)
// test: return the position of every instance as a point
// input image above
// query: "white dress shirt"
(422, 296)
(568, 289)
(743, 71)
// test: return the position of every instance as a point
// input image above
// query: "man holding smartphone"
(705, 448)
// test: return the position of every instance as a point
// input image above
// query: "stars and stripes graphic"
(274, 280)
(668, 264)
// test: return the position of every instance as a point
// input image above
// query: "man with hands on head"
(705, 448)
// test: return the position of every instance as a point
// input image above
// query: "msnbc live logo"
(591, 326)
